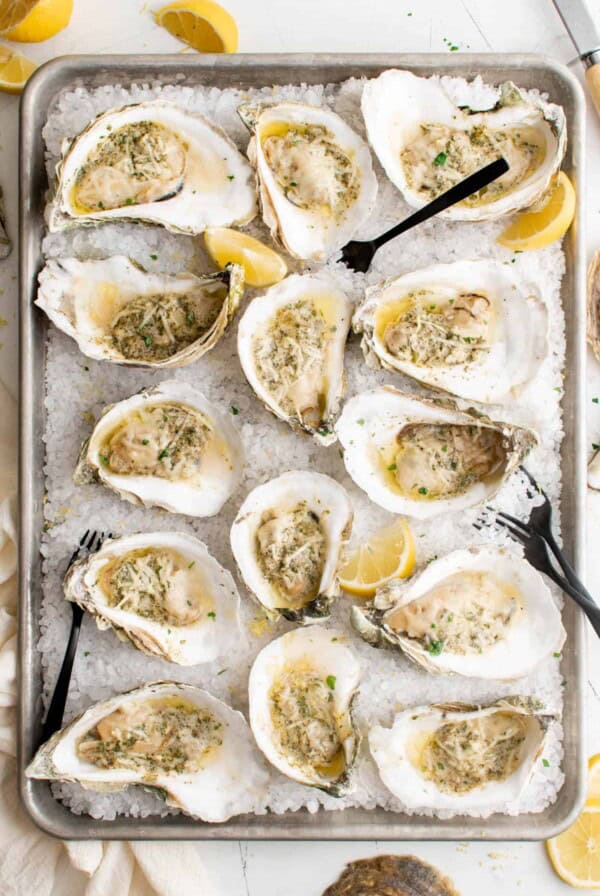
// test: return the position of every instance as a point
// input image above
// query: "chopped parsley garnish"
(148, 340)
(164, 453)
(331, 679)
(129, 201)
(392, 467)
(153, 257)
(103, 458)
(230, 176)
(440, 159)
(192, 564)
(361, 422)
(435, 647)
(423, 490)
(556, 655)
(323, 429)
(235, 411)
(545, 763)
(212, 615)
(145, 441)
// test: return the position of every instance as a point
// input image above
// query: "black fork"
(90, 542)
(540, 521)
(536, 553)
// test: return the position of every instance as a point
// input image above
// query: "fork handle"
(56, 710)
(566, 567)
(587, 604)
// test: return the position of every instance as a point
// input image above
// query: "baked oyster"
(422, 457)
(166, 446)
(156, 163)
(287, 540)
(301, 690)
(161, 591)
(117, 311)
(315, 176)
(180, 741)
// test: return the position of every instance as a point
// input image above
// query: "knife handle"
(592, 75)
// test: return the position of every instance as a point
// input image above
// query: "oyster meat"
(316, 180)
(427, 144)
(301, 690)
(392, 876)
(194, 750)
(163, 592)
(482, 611)
(422, 457)
(291, 343)
(117, 311)
(460, 758)
(152, 162)
(468, 328)
(287, 540)
(166, 446)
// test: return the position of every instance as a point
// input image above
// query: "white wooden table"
(126, 26)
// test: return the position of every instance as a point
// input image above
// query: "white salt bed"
(78, 388)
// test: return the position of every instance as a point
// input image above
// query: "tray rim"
(47, 813)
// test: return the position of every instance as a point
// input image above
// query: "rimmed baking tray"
(247, 71)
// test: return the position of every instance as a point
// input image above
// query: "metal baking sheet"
(248, 71)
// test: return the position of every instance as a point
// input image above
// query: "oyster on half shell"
(287, 540)
(460, 758)
(117, 311)
(194, 750)
(468, 328)
(156, 163)
(481, 612)
(422, 457)
(427, 144)
(166, 446)
(161, 591)
(315, 176)
(301, 690)
(291, 343)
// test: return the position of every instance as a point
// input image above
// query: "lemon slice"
(201, 24)
(388, 554)
(534, 230)
(30, 21)
(14, 70)
(262, 266)
(575, 854)
(592, 803)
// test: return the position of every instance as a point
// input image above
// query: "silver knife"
(584, 31)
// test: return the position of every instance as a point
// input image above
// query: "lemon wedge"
(30, 21)
(536, 229)
(14, 70)
(388, 554)
(262, 266)
(575, 854)
(201, 24)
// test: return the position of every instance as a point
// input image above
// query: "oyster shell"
(163, 592)
(301, 690)
(460, 758)
(316, 180)
(392, 876)
(166, 446)
(117, 311)
(426, 144)
(291, 343)
(468, 328)
(422, 457)
(206, 765)
(287, 539)
(593, 304)
(152, 162)
(482, 612)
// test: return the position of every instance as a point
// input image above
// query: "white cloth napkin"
(31, 863)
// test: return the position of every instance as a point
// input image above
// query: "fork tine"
(517, 534)
(513, 519)
(91, 540)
